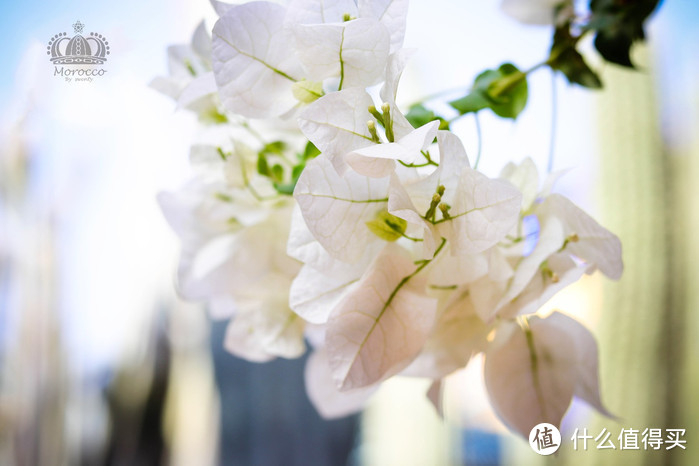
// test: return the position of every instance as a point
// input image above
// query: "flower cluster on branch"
(319, 212)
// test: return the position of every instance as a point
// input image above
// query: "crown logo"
(78, 50)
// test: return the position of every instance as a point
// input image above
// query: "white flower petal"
(201, 43)
(319, 11)
(449, 270)
(253, 60)
(551, 239)
(540, 12)
(381, 325)
(377, 160)
(394, 70)
(200, 87)
(337, 208)
(221, 8)
(458, 334)
(524, 177)
(530, 378)
(453, 157)
(541, 288)
(302, 246)
(319, 287)
(266, 327)
(482, 212)
(330, 402)
(337, 123)
(587, 382)
(314, 293)
(411, 200)
(355, 51)
(401, 204)
(391, 13)
(595, 244)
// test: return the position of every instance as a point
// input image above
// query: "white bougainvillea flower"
(185, 62)
(191, 82)
(557, 273)
(379, 160)
(319, 11)
(539, 274)
(338, 126)
(490, 296)
(532, 370)
(525, 177)
(391, 14)
(201, 87)
(586, 239)
(482, 212)
(221, 8)
(321, 284)
(315, 293)
(394, 69)
(479, 211)
(254, 61)
(330, 402)
(228, 239)
(458, 334)
(267, 58)
(355, 51)
(379, 327)
(336, 208)
(198, 217)
(541, 12)
(264, 327)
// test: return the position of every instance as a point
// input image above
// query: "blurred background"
(101, 363)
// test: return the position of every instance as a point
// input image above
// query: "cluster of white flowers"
(393, 256)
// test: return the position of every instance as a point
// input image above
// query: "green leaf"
(387, 226)
(565, 58)
(619, 24)
(310, 152)
(470, 103)
(285, 188)
(274, 147)
(419, 115)
(288, 188)
(277, 173)
(297, 170)
(503, 90)
(262, 166)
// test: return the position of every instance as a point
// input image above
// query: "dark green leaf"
(619, 23)
(565, 58)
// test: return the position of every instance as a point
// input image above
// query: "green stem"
(554, 118)
(480, 140)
